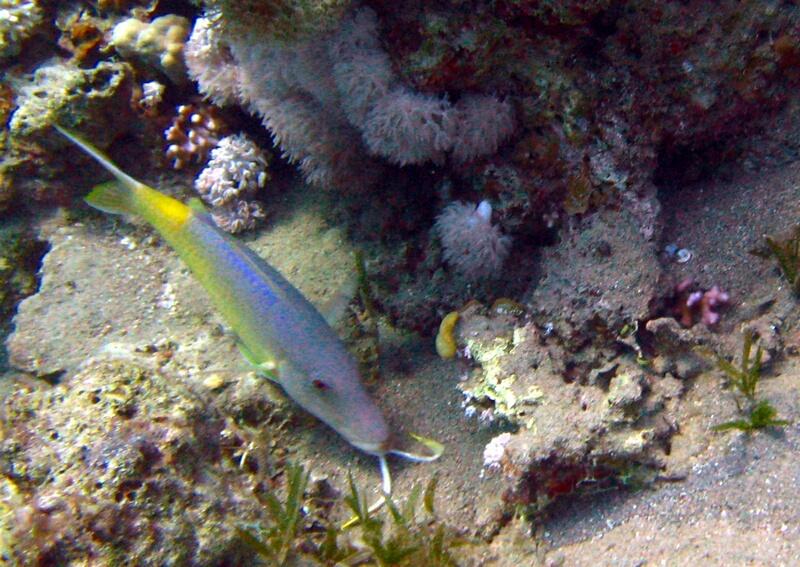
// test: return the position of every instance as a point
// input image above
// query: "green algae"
(759, 414)
(275, 543)
(496, 384)
(787, 253)
(405, 534)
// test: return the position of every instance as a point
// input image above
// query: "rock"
(158, 44)
(565, 429)
(580, 291)
(122, 460)
(96, 102)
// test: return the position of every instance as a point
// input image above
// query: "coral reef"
(473, 246)
(94, 100)
(158, 44)
(575, 120)
(18, 20)
(236, 171)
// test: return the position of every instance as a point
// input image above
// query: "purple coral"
(484, 122)
(707, 302)
(334, 100)
(408, 127)
(473, 246)
(693, 303)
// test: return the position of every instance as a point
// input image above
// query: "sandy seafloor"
(724, 499)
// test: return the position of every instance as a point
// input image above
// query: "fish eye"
(320, 385)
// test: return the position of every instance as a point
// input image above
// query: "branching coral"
(195, 131)
(694, 305)
(236, 171)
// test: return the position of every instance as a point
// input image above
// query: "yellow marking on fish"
(172, 210)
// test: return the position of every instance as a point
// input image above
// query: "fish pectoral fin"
(433, 450)
(266, 368)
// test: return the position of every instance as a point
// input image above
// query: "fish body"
(279, 330)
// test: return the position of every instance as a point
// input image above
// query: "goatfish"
(278, 330)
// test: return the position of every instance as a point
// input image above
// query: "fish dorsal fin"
(121, 176)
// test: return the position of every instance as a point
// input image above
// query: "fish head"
(337, 397)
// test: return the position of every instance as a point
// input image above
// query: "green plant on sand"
(787, 253)
(745, 378)
(276, 541)
(762, 415)
(404, 535)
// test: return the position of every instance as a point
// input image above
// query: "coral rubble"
(120, 462)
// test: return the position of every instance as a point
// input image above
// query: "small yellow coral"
(158, 44)
(445, 338)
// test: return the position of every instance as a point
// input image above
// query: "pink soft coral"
(473, 246)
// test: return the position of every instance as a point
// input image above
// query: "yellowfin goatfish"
(278, 329)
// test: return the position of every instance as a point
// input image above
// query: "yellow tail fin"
(112, 197)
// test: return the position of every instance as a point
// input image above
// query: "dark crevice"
(22, 254)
